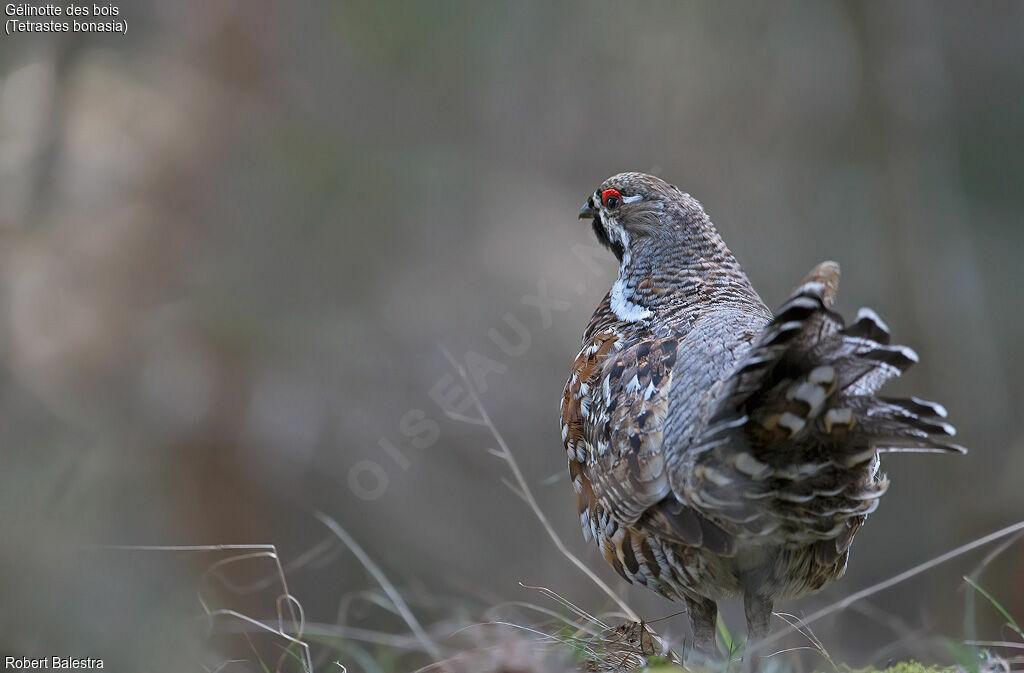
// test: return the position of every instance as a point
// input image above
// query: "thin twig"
(505, 453)
(995, 643)
(184, 547)
(905, 636)
(840, 605)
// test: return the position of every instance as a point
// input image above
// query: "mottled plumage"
(717, 450)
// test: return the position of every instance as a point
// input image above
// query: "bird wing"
(791, 443)
(613, 412)
(614, 416)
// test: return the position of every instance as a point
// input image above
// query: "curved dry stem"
(307, 660)
(523, 491)
(252, 551)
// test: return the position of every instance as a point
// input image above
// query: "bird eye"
(611, 198)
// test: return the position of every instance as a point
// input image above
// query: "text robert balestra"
(52, 663)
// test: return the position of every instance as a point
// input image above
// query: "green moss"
(900, 667)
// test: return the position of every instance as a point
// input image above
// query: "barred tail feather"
(812, 374)
(908, 425)
(799, 425)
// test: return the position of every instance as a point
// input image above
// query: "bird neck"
(680, 274)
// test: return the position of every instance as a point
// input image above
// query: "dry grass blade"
(542, 636)
(524, 492)
(805, 630)
(568, 604)
(557, 617)
(396, 598)
(802, 648)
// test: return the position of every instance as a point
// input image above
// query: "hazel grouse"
(717, 450)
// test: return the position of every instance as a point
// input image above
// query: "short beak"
(588, 211)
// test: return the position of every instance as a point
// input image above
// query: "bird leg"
(759, 615)
(758, 611)
(703, 620)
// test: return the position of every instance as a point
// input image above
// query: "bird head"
(630, 207)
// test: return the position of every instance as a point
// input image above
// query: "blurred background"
(235, 244)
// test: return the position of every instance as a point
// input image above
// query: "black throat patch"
(602, 237)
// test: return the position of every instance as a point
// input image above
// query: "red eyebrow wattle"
(608, 193)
